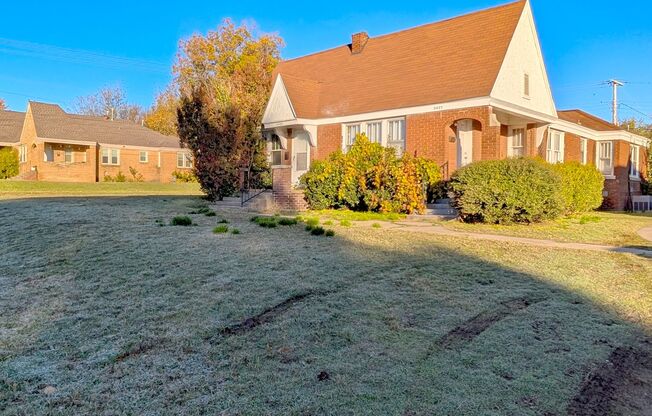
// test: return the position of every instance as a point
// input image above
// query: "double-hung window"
(22, 153)
(584, 151)
(517, 143)
(184, 160)
(351, 131)
(375, 131)
(555, 150)
(68, 155)
(396, 135)
(110, 156)
(143, 157)
(605, 158)
(277, 151)
(634, 160)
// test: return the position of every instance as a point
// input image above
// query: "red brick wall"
(150, 170)
(619, 189)
(286, 197)
(329, 140)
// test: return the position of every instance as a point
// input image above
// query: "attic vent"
(358, 42)
(526, 85)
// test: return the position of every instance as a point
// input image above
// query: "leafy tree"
(162, 117)
(8, 162)
(227, 72)
(108, 102)
(3, 105)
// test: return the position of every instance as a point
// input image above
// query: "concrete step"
(443, 201)
(439, 206)
(443, 211)
(432, 217)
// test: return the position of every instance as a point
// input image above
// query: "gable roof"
(51, 122)
(11, 126)
(582, 118)
(454, 59)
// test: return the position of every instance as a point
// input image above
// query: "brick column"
(286, 197)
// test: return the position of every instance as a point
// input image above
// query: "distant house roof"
(51, 122)
(582, 118)
(11, 126)
(450, 60)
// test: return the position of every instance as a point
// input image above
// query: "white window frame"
(634, 161)
(382, 126)
(374, 131)
(47, 147)
(186, 160)
(140, 156)
(350, 133)
(67, 150)
(555, 155)
(110, 153)
(510, 143)
(584, 150)
(276, 150)
(598, 158)
(391, 141)
(22, 153)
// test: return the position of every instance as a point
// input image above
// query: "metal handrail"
(245, 195)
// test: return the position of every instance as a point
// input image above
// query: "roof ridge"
(592, 116)
(421, 26)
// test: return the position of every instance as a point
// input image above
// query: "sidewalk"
(428, 228)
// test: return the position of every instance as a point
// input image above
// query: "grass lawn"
(108, 310)
(32, 189)
(616, 229)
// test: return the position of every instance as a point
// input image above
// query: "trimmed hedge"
(8, 163)
(370, 177)
(507, 191)
(581, 186)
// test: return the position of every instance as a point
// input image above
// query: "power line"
(636, 110)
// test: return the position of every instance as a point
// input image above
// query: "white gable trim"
(524, 57)
(279, 107)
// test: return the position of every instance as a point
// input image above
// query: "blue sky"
(133, 44)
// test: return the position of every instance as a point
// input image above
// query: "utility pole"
(614, 109)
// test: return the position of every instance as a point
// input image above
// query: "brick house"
(60, 147)
(465, 89)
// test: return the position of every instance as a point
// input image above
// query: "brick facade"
(286, 197)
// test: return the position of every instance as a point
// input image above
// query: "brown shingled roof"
(52, 122)
(450, 60)
(11, 126)
(587, 120)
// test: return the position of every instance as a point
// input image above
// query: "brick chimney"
(358, 42)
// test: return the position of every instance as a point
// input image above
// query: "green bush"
(8, 163)
(581, 186)
(235, 231)
(221, 229)
(330, 233)
(266, 222)
(370, 177)
(183, 221)
(287, 221)
(507, 191)
(119, 177)
(317, 231)
(184, 176)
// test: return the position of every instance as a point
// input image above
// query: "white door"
(300, 156)
(464, 142)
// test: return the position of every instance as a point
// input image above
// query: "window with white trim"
(22, 153)
(351, 131)
(143, 157)
(555, 150)
(396, 135)
(634, 160)
(277, 151)
(584, 151)
(68, 155)
(516, 146)
(110, 156)
(605, 158)
(184, 160)
(375, 131)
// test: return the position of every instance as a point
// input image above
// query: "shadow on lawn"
(115, 316)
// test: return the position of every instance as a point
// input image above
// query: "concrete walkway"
(646, 233)
(429, 228)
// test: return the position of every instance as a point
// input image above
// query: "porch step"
(441, 211)
(431, 217)
(439, 206)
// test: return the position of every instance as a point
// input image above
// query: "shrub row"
(524, 190)
(8, 163)
(370, 177)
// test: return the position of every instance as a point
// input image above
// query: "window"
(517, 143)
(634, 162)
(48, 153)
(351, 131)
(277, 151)
(184, 160)
(144, 157)
(22, 153)
(605, 158)
(396, 135)
(110, 156)
(68, 155)
(526, 85)
(375, 131)
(555, 151)
(584, 154)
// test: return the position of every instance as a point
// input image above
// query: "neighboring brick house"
(11, 125)
(61, 147)
(457, 91)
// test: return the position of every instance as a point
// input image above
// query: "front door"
(464, 142)
(300, 156)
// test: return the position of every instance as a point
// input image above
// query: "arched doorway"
(464, 142)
